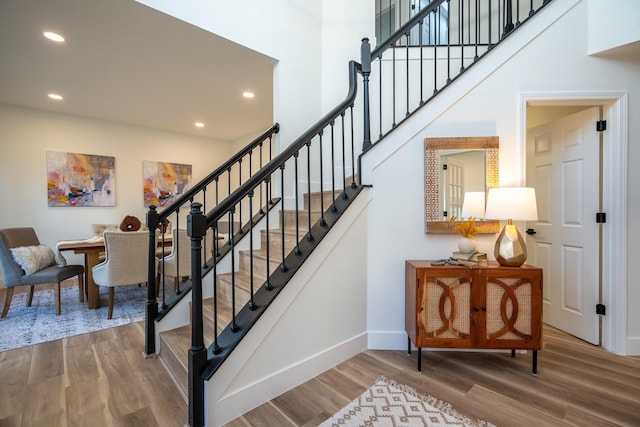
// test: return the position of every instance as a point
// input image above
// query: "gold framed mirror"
(478, 162)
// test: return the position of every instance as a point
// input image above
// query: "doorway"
(563, 165)
(614, 178)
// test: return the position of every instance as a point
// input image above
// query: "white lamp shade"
(514, 203)
(473, 204)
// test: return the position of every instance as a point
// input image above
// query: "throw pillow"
(33, 258)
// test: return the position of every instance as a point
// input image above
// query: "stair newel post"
(153, 220)
(196, 230)
(365, 67)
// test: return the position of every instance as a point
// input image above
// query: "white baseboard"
(387, 340)
(633, 346)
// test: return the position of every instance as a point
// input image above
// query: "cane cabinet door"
(512, 303)
(443, 316)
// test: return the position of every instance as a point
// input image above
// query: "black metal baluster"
(267, 284)
(177, 249)
(353, 148)
(283, 265)
(216, 347)
(490, 16)
(261, 165)
(297, 207)
(204, 209)
(448, 47)
(461, 35)
(420, 26)
(380, 96)
(309, 235)
(232, 249)
(252, 303)
(437, 26)
(406, 114)
(477, 28)
(322, 220)
(393, 87)
(344, 165)
(239, 204)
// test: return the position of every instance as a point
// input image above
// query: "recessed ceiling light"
(55, 96)
(53, 36)
(199, 124)
(248, 94)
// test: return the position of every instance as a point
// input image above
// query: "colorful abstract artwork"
(80, 180)
(164, 182)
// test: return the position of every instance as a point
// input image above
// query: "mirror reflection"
(453, 167)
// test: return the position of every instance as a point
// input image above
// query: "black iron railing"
(323, 159)
(228, 176)
(431, 48)
(427, 53)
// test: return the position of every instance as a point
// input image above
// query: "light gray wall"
(25, 137)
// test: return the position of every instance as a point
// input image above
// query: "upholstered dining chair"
(126, 262)
(178, 261)
(26, 262)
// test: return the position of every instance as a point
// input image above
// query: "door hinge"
(601, 309)
(601, 125)
(601, 218)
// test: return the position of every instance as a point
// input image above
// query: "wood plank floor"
(577, 385)
(102, 379)
(96, 379)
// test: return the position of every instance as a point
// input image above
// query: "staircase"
(223, 321)
(173, 343)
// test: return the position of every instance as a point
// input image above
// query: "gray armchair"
(14, 275)
(126, 263)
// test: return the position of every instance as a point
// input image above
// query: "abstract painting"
(164, 182)
(80, 180)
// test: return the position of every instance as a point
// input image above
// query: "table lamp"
(511, 204)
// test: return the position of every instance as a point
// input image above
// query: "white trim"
(614, 232)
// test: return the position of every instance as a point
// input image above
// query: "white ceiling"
(125, 62)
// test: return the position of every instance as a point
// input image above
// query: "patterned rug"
(25, 326)
(387, 403)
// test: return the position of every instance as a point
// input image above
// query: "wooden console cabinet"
(483, 307)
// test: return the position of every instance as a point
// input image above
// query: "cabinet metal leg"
(534, 363)
(513, 353)
(408, 345)
(419, 359)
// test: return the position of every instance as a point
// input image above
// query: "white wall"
(313, 43)
(612, 24)
(25, 137)
(485, 102)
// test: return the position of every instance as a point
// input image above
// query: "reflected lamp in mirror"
(471, 166)
(511, 204)
(473, 205)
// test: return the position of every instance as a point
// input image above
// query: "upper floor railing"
(434, 44)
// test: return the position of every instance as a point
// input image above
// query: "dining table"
(92, 248)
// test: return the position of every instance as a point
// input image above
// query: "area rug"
(387, 403)
(25, 326)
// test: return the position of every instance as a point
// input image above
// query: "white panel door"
(563, 166)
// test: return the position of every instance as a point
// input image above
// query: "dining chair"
(126, 262)
(177, 263)
(26, 262)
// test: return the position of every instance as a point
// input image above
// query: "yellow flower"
(466, 228)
